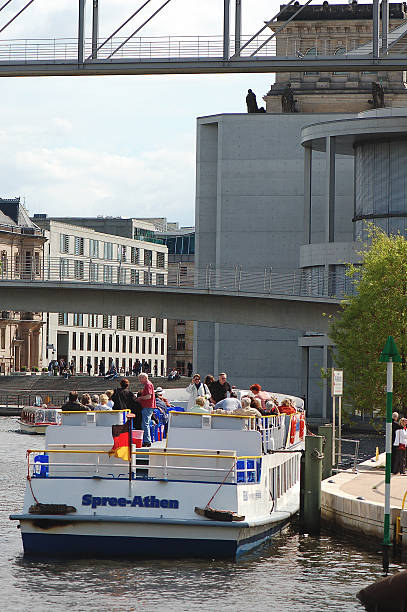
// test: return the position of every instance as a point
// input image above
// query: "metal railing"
(345, 459)
(140, 48)
(264, 281)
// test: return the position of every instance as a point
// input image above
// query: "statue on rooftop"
(251, 102)
(377, 95)
(287, 100)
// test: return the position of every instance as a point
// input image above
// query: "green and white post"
(389, 355)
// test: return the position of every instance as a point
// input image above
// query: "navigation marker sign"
(389, 355)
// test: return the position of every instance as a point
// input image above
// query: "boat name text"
(150, 501)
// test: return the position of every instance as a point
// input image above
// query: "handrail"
(164, 453)
(404, 499)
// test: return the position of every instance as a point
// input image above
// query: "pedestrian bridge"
(289, 300)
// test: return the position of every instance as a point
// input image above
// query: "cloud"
(71, 181)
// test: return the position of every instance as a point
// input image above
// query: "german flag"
(121, 441)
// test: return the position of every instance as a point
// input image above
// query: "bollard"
(326, 432)
(311, 485)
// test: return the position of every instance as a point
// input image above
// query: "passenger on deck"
(103, 405)
(85, 400)
(109, 393)
(263, 396)
(199, 406)
(229, 404)
(196, 389)
(272, 408)
(209, 379)
(95, 400)
(220, 389)
(73, 403)
(147, 401)
(246, 409)
(287, 407)
(160, 400)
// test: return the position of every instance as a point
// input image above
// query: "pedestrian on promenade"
(400, 443)
(147, 401)
(395, 425)
(89, 366)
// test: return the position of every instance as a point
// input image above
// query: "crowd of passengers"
(149, 404)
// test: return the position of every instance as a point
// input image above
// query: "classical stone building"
(332, 29)
(21, 256)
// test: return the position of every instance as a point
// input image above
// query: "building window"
(103, 343)
(135, 255)
(148, 278)
(121, 252)
(108, 273)
(94, 272)
(74, 341)
(180, 342)
(79, 245)
(121, 322)
(79, 269)
(37, 264)
(148, 258)
(63, 267)
(159, 279)
(146, 324)
(121, 275)
(63, 318)
(160, 260)
(78, 319)
(134, 277)
(93, 248)
(150, 345)
(107, 250)
(96, 345)
(117, 344)
(93, 320)
(134, 323)
(110, 343)
(3, 338)
(156, 346)
(64, 243)
(80, 364)
(143, 346)
(130, 344)
(107, 321)
(89, 344)
(159, 325)
(137, 345)
(162, 346)
(123, 344)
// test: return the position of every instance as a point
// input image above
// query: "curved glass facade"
(381, 186)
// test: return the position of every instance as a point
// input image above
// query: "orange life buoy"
(302, 426)
(293, 428)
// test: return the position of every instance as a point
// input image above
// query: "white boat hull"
(29, 428)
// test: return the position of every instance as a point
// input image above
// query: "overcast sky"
(121, 145)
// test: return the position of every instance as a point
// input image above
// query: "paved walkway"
(369, 483)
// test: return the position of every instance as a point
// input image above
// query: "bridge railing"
(140, 48)
(312, 282)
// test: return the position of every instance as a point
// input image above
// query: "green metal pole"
(389, 410)
(312, 484)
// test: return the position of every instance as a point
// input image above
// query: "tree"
(376, 311)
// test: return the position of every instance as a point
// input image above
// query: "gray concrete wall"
(250, 194)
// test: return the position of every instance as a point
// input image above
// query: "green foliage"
(377, 311)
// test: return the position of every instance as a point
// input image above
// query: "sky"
(117, 145)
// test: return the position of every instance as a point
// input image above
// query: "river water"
(297, 573)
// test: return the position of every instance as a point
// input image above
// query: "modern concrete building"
(82, 253)
(21, 256)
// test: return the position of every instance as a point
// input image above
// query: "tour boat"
(216, 487)
(35, 419)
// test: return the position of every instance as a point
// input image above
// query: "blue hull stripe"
(64, 545)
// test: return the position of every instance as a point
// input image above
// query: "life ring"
(302, 426)
(293, 428)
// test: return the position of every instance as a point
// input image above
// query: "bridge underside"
(270, 311)
(201, 66)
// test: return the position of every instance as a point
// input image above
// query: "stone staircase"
(95, 384)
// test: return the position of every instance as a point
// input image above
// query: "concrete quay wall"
(355, 501)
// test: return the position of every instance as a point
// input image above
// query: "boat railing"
(158, 464)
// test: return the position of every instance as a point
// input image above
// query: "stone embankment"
(355, 501)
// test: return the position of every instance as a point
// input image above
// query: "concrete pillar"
(330, 189)
(307, 194)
